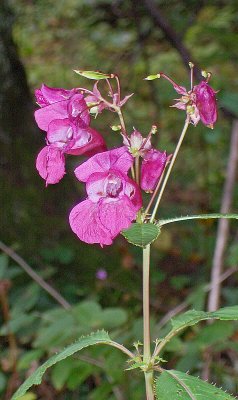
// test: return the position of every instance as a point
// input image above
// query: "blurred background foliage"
(47, 40)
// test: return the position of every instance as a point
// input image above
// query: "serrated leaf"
(96, 75)
(198, 216)
(192, 317)
(141, 234)
(177, 385)
(36, 377)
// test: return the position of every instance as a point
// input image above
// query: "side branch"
(38, 279)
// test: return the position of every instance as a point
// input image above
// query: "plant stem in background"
(37, 278)
(170, 168)
(146, 322)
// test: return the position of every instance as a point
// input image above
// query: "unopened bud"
(152, 77)
(116, 128)
(154, 129)
(206, 75)
(96, 75)
(191, 65)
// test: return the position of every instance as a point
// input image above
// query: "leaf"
(96, 75)
(141, 234)
(192, 317)
(199, 216)
(83, 342)
(180, 386)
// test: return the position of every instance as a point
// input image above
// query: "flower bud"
(206, 103)
(152, 168)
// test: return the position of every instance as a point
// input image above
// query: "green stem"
(170, 168)
(146, 322)
(149, 382)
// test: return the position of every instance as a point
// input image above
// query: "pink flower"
(113, 198)
(199, 102)
(65, 118)
(59, 104)
(152, 167)
(206, 103)
(136, 144)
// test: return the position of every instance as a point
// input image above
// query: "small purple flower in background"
(101, 274)
(113, 198)
(152, 167)
(65, 117)
(199, 103)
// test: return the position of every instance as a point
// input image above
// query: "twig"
(172, 36)
(101, 364)
(38, 279)
(222, 237)
(176, 41)
(223, 225)
(182, 306)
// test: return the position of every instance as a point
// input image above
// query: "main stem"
(146, 322)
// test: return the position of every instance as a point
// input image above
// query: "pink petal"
(118, 159)
(45, 115)
(126, 98)
(50, 164)
(206, 103)
(116, 215)
(132, 191)
(180, 105)
(47, 95)
(60, 132)
(95, 186)
(85, 223)
(77, 109)
(151, 169)
(87, 141)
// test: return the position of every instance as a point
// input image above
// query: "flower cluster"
(114, 178)
(199, 102)
(65, 117)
